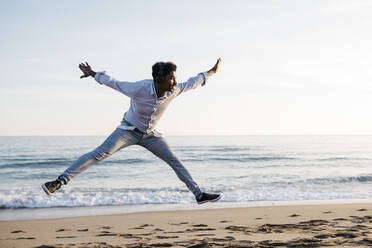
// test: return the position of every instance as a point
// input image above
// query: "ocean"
(245, 169)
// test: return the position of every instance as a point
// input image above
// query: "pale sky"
(288, 67)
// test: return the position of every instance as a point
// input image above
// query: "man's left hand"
(214, 68)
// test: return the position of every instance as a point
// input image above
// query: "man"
(149, 100)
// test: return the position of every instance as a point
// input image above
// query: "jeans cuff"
(63, 179)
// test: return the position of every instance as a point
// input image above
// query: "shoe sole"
(46, 189)
(214, 200)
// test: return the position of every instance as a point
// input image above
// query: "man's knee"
(101, 153)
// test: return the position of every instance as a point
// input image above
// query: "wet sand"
(338, 225)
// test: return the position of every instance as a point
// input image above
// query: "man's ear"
(160, 79)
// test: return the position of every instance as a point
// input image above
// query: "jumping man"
(149, 99)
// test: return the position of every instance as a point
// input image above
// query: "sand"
(338, 225)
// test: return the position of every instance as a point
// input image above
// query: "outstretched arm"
(127, 88)
(199, 80)
(87, 70)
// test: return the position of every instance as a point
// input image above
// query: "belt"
(137, 130)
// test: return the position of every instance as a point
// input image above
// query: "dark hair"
(161, 69)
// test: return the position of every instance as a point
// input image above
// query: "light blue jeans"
(122, 138)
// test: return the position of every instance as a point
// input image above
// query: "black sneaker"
(205, 197)
(51, 187)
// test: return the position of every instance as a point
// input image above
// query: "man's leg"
(116, 141)
(159, 147)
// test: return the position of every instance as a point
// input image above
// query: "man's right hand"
(87, 70)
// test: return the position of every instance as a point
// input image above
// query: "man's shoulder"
(144, 82)
(145, 87)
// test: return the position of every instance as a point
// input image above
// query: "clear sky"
(288, 67)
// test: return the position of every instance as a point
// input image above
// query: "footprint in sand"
(178, 231)
(322, 236)
(200, 246)
(63, 230)
(205, 234)
(178, 224)
(200, 225)
(167, 237)
(345, 235)
(129, 236)
(103, 234)
(145, 234)
(142, 226)
(339, 219)
(236, 228)
(200, 229)
(366, 241)
(161, 245)
(362, 209)
(226, 239)
(146, 225)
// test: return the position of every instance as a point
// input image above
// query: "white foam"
(72, 197)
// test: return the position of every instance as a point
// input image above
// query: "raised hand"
(87, 70)
(215, 67)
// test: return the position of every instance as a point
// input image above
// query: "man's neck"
(159, 90)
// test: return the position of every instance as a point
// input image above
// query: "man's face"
(170, 81)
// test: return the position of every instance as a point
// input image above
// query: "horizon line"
(91, 135)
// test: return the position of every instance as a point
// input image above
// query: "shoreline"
(338, 225)
(70, 212)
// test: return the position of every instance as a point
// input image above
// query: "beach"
(338, 225)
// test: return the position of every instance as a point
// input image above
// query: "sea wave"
(26, 198)
(57, 162)
(86, 197)
(342, 180)
(127, 161)
(220, 149)
(236, 159)
(36, 164)
(340, 159)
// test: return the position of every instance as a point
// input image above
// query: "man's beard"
(171, 88)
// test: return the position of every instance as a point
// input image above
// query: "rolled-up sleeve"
(193, 82)
(129, 89)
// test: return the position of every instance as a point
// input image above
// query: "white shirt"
(146, 108)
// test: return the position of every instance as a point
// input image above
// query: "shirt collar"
(153, 91)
